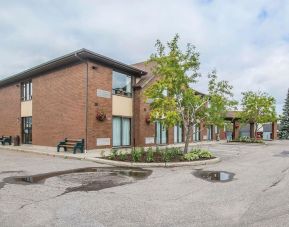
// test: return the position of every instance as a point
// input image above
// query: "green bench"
(75, 144)
(6, 139)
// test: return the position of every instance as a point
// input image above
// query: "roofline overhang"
(73, 58)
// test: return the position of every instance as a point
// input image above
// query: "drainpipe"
(86, 98)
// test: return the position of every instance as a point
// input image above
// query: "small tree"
(174, 101)
(284, 123)
(257, 108)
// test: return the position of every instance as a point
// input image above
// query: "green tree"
(284, 123)
(257, 108)
(174, 101)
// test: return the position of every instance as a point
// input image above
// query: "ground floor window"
(178, 134)
(121, 128)
(210, 132)
(161, 134)
(196, 132)
(27, 130)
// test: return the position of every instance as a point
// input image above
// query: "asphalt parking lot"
(255, 194)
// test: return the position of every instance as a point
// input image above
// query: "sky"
(246, 41)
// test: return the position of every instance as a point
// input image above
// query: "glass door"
(27, 130)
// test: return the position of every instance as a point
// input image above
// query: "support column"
(274, 131)
(236, 129)
(252, 130)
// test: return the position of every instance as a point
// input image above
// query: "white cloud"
(246, 41)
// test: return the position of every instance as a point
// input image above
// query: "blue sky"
(246, 41)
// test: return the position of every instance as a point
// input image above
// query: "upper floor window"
(26, 91)
(121, 84)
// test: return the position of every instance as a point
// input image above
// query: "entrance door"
(27, 130)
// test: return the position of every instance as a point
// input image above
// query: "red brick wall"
(99, 78)
(10, 121)
(58, 106)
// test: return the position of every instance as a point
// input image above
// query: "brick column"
(274, 131)
(252, 130)
(236, 129)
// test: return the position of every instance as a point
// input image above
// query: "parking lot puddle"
(214, 176)
(90, 179)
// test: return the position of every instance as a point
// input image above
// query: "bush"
(136, 154)
(197, 153)
(191, 156)
(122, 156)
(113, 154)
(150, 155)
(205, 154)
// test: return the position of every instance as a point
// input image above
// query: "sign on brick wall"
(103, 94)
(102, 141)
(149, 140)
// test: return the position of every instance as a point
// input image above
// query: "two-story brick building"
(65, 97)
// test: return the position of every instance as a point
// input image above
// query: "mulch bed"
(157, 157)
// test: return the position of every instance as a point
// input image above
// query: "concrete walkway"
(91, 155)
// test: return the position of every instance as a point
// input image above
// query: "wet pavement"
(248, 188)
(214, 176)
(90, 178)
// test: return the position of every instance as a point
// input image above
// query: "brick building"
(68, 96)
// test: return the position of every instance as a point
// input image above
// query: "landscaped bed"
(245, 139)
(160, 155)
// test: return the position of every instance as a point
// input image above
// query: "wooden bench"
(6, 139)
(75, 144)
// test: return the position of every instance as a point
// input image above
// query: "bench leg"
(58, 148)
(74, 150)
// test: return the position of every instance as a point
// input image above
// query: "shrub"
(122, 156)
(191, 156)
(150, 155)
(205, 154)
(113, 154)
(136, 154)
(197, 153)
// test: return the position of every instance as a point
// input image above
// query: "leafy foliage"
(258, 108)
(174, 101)
(136, 154)
(196, 154)
(284, 123)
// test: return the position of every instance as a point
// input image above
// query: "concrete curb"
(116, 163)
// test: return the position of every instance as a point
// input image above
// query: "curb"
(117, 163)
(152, 165)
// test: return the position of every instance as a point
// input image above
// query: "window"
(196, 132)
(178, 134)
(210, 132)
(27, 130)
(161, 134)
(121, 128)
(121, 84)
(26, 91)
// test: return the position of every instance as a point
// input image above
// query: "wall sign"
(102, 141)
(149, 140)
(103, 94)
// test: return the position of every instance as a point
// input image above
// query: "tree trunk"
(187, 139)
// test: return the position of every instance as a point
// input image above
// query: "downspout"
(86, 98)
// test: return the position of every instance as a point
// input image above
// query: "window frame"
(26, 90)
(179, 129)
(121, 131)
(119, 92)
(161, 134)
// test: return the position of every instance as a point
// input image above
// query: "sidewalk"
(91, 155)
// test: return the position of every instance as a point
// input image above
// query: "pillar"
(236, 129)
(274, 131)
(252, 130)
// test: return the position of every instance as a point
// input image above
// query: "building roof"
(148, 67)
(74, 57)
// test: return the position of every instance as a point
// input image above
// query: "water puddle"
(282, 154)
(214, 176)
(86, 179)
